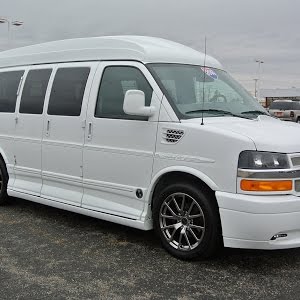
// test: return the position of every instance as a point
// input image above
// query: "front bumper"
(250, 221)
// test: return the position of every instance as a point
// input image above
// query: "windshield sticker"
(209, 72)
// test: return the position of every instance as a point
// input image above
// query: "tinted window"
(67, 91)
(9, 83)
(285, 105)
(33, 95)
(115, 82)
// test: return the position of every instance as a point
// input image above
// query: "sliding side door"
(64, 129)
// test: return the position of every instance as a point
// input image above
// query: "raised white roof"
(140, 48)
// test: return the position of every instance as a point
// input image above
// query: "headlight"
(263, 160)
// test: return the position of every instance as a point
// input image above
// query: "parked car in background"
(286, 110)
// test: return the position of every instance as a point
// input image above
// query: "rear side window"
(9, 83)
(285, 105)
(67, 91)
(296, 105)
(33, 95)
(116, 80)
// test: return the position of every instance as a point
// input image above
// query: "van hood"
(267, 133)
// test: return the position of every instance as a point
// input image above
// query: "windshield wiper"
(257, 112)
(220, 111)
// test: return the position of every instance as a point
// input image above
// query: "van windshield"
(216, 93)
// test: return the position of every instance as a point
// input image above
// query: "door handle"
(48, 128)
(90, 129)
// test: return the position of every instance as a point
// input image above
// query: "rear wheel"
(186, 219)
(3, 183)
(298, 120)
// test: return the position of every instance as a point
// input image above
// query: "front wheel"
(186, 219)
(298, 120)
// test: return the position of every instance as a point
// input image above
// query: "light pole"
(255, 87)
(9, 24)
(257, 81)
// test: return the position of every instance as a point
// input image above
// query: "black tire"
(298, 120)
(3, 183)
(210, 238)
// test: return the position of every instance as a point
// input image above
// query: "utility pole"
(255, 87)
(260, 62)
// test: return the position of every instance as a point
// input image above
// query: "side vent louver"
(171, 136)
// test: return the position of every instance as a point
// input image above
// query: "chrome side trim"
(180, 157)
(114, 150)
(272, 174)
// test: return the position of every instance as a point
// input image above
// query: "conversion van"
(148, 133)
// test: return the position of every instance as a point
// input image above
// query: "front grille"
(296, 161)
(297, 185)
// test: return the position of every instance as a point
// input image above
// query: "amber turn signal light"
(266, 186)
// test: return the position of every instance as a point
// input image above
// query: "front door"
(119, 149)
(63, 136)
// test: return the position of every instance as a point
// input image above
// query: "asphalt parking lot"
(46, 253)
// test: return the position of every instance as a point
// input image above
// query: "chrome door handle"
(48, 128)
(90, 127)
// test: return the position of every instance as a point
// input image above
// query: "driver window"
(116, 81)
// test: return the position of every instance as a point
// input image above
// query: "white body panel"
(97, 166)
(28, 150)
(261, 132)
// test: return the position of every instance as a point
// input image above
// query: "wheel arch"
(172, 173)
(3, 156)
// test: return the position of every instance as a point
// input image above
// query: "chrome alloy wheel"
(182, 221)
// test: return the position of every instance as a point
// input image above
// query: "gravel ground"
(46, 253)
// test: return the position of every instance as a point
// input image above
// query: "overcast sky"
(238, 31)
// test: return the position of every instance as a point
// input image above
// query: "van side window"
(116, 80)
(67, 91)
(9, 83)
(33, 95)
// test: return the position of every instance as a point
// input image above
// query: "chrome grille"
(296, 161)
(172, 136)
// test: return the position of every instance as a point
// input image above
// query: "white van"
(148, 133)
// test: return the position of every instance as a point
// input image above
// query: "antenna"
(203, 85)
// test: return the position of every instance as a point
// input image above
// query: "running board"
(84, 211)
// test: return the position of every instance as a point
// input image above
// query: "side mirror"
(134, 104)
